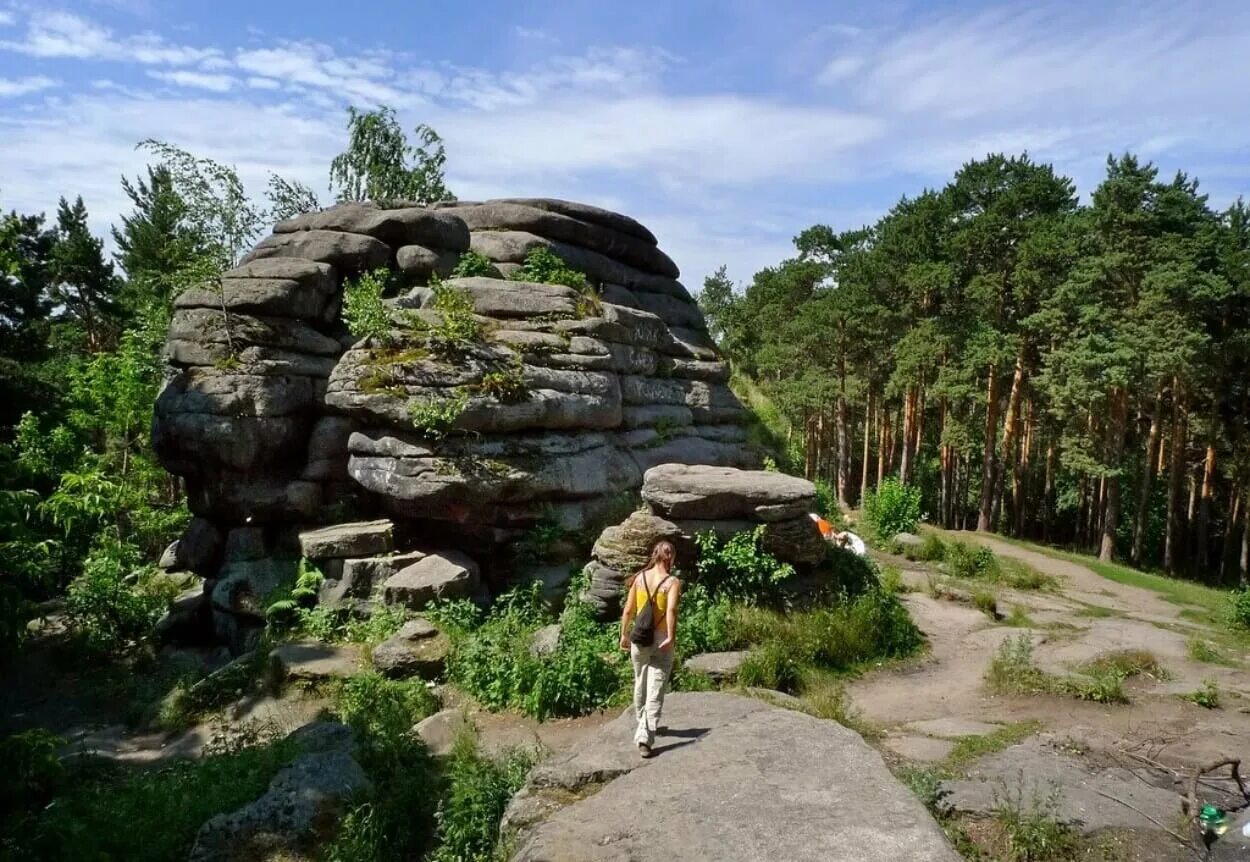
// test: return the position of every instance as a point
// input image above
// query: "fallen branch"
(1190, 804)
(1186, 843)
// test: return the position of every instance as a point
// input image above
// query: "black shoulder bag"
(643, 632)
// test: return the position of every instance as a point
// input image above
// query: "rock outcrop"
(732, 778)
(683, 501)
(279, 420)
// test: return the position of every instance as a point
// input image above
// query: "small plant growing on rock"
(544, 266)
(364, 312)
(459, 327)
(434, 416)
(473, 264)
(505, 384)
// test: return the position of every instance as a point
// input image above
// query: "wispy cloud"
(7, 18)
(51, 35)
(534, 34)
(196, 80)
(10, 88)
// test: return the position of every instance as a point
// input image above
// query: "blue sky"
(727, 127)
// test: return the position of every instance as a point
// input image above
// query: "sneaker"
(644, 750)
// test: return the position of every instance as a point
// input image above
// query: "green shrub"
(544, 266)
(396, 822)
(927, 782)
(108, 607)
(32, 769)
(364, 312)
(478, 790)
(892, 579)
(1033, 830)
(435, 416)
(773, 665)
(459, 327)
(705, 622)
(848, 573)
(739, 569)
(471, 263)
(891, 509)
(283, 606)
(505, 384)
(1239, 609)
(491, 658)
(971, 561)
(535, 545)
(1012, 671)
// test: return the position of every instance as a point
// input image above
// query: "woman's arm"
(627, 614)
(674, 596)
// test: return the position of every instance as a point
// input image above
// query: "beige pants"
(652, 667)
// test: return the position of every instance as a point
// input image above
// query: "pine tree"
(154, 240)
(83, 286)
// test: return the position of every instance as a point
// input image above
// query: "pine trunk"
(1204, 504)
(844, 454)
(1115, 449)
(863, 478)
(1147, 479)
(987, 456)
(1048, 491)
(909, 420)
(883, 422)
(1231, 532)
(919, 423)
(1243, 567)
(1176, 477)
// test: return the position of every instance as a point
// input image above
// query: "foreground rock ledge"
(733, 779)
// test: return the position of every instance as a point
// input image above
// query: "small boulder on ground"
(440, 731)
(302, 807)
(309, 661)
(353, 582)
(442, 575)
(908, 540)
(417, 649)
(546, 640)
(718, 666)
(340, 541)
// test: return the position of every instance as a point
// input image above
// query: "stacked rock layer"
(278, 419)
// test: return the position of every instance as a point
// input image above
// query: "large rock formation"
(278, 419)
(732, 778)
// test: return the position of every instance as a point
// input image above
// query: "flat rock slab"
(953, 728)
(313, 662)
(360, 539)
(733, 779)
(714, 493)
(1034, 770)
(720, 666)
(925, 749)
(443, 575)
(418, 649)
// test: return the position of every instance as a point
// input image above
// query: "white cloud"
(535, 34)
(52, 35)
(12, 87)
(196, 80)
(259, 83)
(7, 19)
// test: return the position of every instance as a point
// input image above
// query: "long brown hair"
(662, 552)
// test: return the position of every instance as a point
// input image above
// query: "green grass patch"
(969, 748)
(1207, 652)
(1018, 618)
(1012, 671)
(1208, 697)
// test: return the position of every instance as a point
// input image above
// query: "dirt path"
(925, 707)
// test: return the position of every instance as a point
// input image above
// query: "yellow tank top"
(661, 596)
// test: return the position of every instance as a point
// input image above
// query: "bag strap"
(651, 594)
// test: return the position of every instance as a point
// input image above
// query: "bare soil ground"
(1109, 769)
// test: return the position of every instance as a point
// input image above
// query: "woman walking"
(651, 607)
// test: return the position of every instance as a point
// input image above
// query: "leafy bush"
(1239, 609)
(891, 509)
(364, 312)
(397, 821)
(971, 561)
(930, 549)
(544, 266)
(471, 263)
(283, 607)
(491, 659)
(1033, 829)
(705, 624)
(986, 603)
(739, 569)
(534, 547)
(32, 768)
(107, 606)
(1012, 671)
(478, 790)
